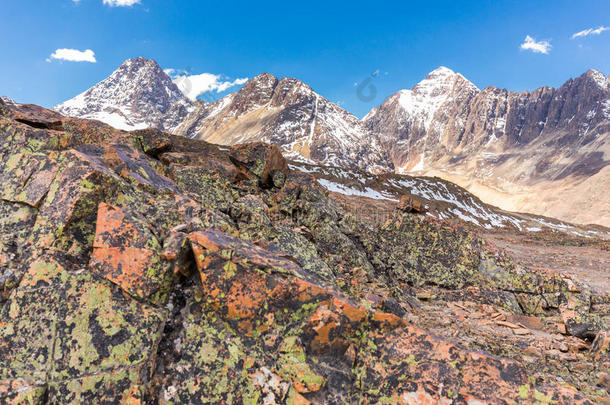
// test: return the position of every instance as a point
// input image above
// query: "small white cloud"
(531, 44)
(121, 3)
(590, 31)
(192, 86)
(73, 55)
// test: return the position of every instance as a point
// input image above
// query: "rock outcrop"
(140, 267)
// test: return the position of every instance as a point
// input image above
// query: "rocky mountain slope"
(543, 152)
(288, 113)
(437, 198)
(139, 94)
(140, 267)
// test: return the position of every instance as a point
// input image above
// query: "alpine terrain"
(149, 268)
(543, 152)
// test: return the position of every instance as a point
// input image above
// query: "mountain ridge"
(502, 145)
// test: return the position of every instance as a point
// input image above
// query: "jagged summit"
(138, 94)
(422, 102)
(289, 113)
(441, 77)
(598, 77)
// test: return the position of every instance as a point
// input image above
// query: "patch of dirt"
(589, 264)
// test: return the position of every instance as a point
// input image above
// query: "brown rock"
(412, 203)
(601, 344)
(532, 322)
(38, 117)
(604, 380)
(262, 160)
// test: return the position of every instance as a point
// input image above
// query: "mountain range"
(543, 151)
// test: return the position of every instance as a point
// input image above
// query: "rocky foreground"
(138, 267)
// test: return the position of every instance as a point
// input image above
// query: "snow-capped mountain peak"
(421, 103)
(599, 78)
(137, 95)
(441, 79)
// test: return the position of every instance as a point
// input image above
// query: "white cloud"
(531, 44)
(590, 31)
(73, 55)
(121, 3)
(193, 86)
(117, 3)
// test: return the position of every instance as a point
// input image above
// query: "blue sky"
(329, 45)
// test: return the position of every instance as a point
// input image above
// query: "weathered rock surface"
(138, 267)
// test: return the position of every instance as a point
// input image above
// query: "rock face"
(140, 267)
(287, 113)
(520, 151)
(445, 114)
(137, 95)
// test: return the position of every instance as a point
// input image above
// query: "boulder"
(38, 117)
(262, 160)
(413, 204)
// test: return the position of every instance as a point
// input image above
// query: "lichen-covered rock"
(147, 268)
(128, 254)
(22, 391)
(262, 160)
(38, 117)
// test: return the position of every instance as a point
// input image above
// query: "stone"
(601, 345)
(413, 204)
(148, 268)
(262, 160)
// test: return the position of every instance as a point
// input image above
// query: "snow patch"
(599, 78)
(346, 190)
(606, 108)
